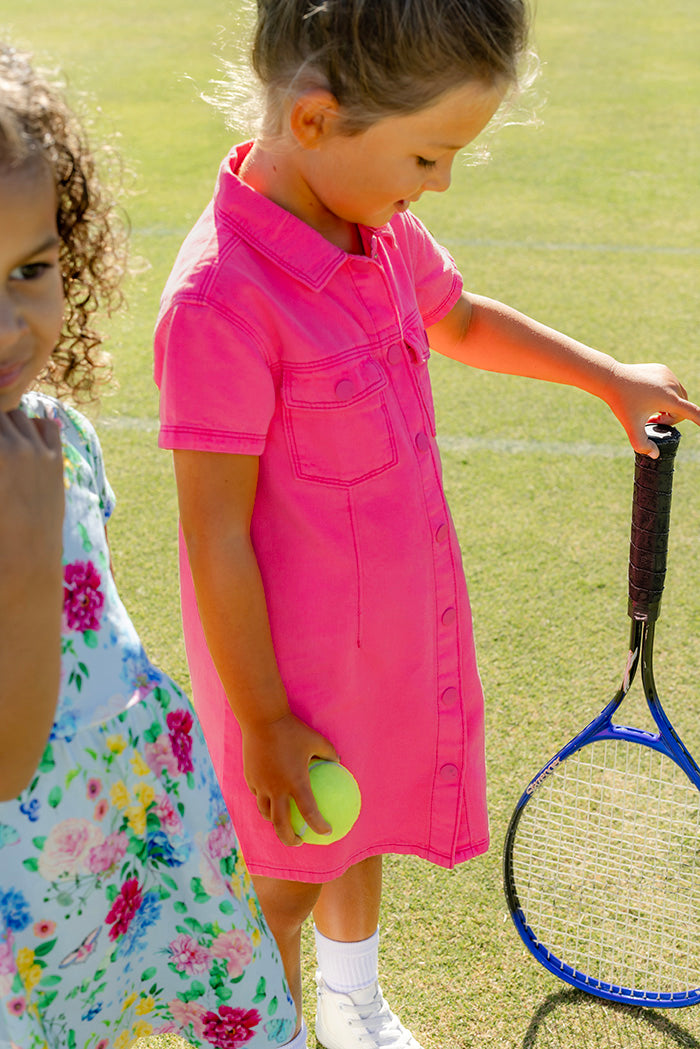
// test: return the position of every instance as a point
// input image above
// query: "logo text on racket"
(543, 775)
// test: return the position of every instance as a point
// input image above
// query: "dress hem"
(315, 875)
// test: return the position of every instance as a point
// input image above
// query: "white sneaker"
(358, 1020)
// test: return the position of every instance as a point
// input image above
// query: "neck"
(277, 177)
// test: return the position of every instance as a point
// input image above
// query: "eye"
(423, 163)
(29, 271)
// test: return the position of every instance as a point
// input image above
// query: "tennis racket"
(602, 854)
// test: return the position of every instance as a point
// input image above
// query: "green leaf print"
(39, 842)
(151, 734)
(194, 925)
(70, 776)
(148, 974)
(90, 638)
(31, 864)
(260, 991)
(47, 762)
(162, 696)
(44, 948)
(179, 907)
(272, 1007)
(170, 882)
(47, 998)
(226, 907)
(54, 798)
(50, 980)
(84, 537)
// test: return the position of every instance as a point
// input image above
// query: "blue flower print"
(135, 938)
(65, 726)
(14, 910)
(30, 809)
(161, 850)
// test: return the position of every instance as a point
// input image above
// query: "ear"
(313, 117)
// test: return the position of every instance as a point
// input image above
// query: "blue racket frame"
(648, 550)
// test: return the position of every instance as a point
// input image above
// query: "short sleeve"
(92, 451)
(216, 388)
(437, 281)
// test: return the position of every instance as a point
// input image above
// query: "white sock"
(347, 966)
(299, 1041)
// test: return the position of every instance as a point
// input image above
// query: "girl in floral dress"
(125, 905)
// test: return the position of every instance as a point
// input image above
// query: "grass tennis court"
(589, 222)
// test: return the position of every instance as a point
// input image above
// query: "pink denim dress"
(273, 342)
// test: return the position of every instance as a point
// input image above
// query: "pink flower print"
(159, 755)
(103, 1043)
(180, 724)
(185, 1013)
(94, 787)
(82, 597)
(108, 853)
(230, 1028)
(16, 1006)
(43, 929)
(66, 848)
(101, 809)
(222, 841)
(7, 958)
(124, 908)
(188, 956)
(167, 814)
(236, 948)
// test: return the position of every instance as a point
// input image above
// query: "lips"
(10, 373)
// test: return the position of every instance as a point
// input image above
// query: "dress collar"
(277, 234)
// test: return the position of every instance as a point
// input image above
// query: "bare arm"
(489, 335)
(31, 593)
(216, 495)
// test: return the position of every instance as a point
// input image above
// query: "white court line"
(552, 449)
(461, 444)
(535, 245)
(494, 242)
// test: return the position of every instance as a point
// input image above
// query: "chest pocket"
(337, 421)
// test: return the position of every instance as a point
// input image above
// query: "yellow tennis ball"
(338, 798)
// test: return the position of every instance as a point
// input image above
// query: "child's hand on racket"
(641, 393)
(276, 759)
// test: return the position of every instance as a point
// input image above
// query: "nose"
(439, 178)
(12, 321)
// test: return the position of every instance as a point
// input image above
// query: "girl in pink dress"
(325, 607)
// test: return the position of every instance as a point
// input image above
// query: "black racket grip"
(651, 516)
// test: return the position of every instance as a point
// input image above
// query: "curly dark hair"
(36, 125)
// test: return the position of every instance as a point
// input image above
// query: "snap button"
(449, 773)
(422, 442)
(449, 696)
(394, 354)
(448, 616)
(344, 389)
(442, 533)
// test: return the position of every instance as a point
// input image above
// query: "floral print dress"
(125, 905)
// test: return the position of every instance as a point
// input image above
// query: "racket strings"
(605, 866)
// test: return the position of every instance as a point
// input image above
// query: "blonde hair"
(37, 127)
(385, 57)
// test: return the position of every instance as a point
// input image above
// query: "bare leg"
(286, 905)
(348, 907)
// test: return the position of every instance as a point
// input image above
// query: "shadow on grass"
(571, 1019)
